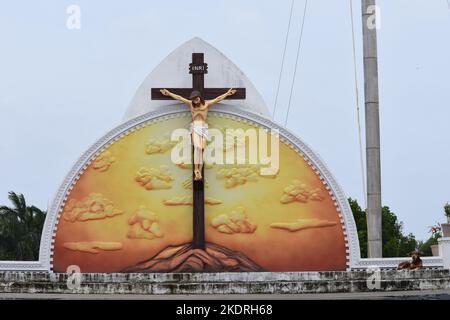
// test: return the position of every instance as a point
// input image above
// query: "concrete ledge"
(225, 283)
(223, 276)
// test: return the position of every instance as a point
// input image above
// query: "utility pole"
(372, 114)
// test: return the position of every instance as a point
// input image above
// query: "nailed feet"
(197, 175)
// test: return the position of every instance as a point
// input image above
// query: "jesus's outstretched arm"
(220, 98)
(167, 93)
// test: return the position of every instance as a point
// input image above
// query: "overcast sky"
(61, 89)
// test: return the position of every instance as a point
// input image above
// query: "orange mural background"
(114, 219)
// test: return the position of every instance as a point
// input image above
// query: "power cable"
(300, 38)
(282, 59)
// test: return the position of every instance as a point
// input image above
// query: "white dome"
(172, 72)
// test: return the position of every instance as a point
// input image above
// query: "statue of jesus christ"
(199, 128)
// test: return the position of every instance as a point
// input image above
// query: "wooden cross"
(198, 68)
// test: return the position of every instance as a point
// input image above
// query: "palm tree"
(20, 229)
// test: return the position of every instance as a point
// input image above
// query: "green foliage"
(425, 248)
(20, 230)
(436, 233)
(361, 225)
(447, 211)
(395, 243)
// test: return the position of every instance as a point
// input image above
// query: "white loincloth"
(200, 129)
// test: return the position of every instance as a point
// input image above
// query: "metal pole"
(374, 230)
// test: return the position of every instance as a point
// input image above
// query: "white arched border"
(353, 253)
(316, 163)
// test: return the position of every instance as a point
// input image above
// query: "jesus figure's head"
(197, 99)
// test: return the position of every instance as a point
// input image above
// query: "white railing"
(34, 266)
(389, 263)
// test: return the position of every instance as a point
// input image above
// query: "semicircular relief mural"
(130, 210)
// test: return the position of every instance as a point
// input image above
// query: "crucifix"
(199, 99)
